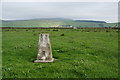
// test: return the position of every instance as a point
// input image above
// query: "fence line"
(59, 28)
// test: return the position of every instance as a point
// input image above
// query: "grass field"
(0, 54)
(80, 53)
(54, 23)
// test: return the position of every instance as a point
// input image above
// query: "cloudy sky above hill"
(106, 11)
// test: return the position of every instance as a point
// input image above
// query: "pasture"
(81, 53)
(54, 23)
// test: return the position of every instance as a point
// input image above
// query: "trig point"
(44, 49)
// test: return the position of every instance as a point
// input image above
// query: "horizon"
(53, 18)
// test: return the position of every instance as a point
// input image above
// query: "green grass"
(54, 23)
(81, 54)
(0, 54)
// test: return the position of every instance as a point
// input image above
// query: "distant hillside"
(90, 21)
(50, 19)
(56, 22)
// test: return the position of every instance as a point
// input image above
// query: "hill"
(55, 22)
(90, 21)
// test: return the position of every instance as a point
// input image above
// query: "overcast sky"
(106, 11)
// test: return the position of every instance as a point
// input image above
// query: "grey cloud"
(75, 10)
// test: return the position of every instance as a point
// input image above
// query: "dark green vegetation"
(0, 54)
(55, 23)
(81, 53)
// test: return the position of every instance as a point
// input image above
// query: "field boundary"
(59, 27)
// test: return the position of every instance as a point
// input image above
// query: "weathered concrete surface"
(44, 49)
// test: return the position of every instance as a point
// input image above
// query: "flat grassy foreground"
(80, 53)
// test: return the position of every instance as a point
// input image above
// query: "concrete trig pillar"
(44, 49)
